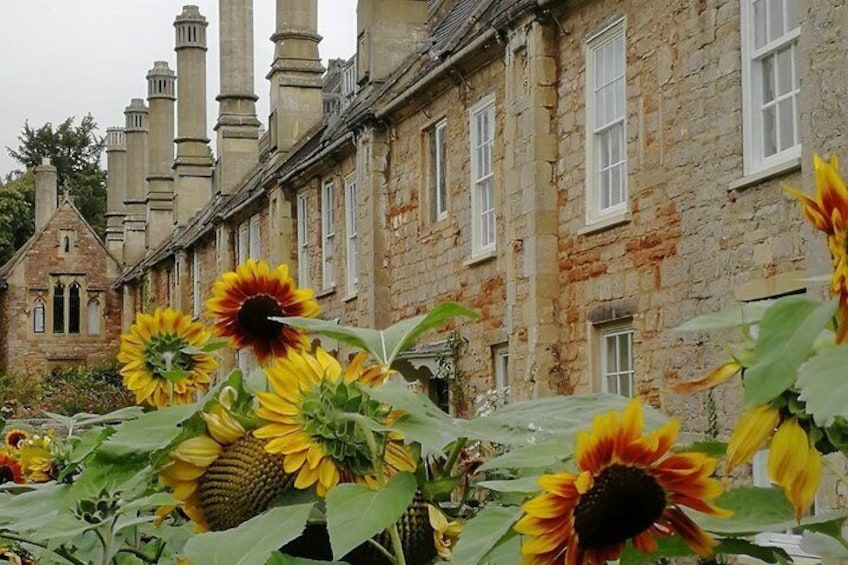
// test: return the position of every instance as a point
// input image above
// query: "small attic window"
(67, 241)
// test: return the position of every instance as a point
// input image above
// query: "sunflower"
(315, 416)
(14, 437)
(628, 487)
(828, 212)
(445, 533)
(36, 458)
(10, 469)
(794, 463)
(163, 360)
(242, 301)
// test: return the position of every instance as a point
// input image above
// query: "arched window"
(38, 316)
(59, 308)
(74, 309)
(93, 317)
(66, 244)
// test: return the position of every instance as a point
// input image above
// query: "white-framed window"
(242, 243)
(770, 31)
(788, 540)
(482, 134)
(352, 253)
(328, 234)
(500, 359)
(303, 276)
(616, 350)
(255, 242)
(195, 283)
(437, 152)
(38, 310)
(606, 152)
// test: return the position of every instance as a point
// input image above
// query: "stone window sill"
(350, 297)
(326, 292)
(606, 224)
(480, 258)
(761, 176)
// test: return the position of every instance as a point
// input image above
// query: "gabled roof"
(19, 255)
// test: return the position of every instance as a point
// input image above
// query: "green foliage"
(251, 543)
(787, 333)
(17, 221)
(94, 390)
(75, 151)
(356, 513)
(823, 385)
(484, 532)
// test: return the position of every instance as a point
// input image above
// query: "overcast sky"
(61, 58)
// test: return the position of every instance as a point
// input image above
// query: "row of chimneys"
(150, 191)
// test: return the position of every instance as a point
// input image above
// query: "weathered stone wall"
(692, 244)
(86, 262)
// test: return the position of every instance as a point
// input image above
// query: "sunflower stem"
(397, 545)
(831, 466)
(379, 547)
(61, 551)
(452, 458)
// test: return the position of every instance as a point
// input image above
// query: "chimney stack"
(389, 31)
(237, 127)
(136, 219)
(160, 150)
(116, 189)
(193, 165)
(46, 192)
(296, 74)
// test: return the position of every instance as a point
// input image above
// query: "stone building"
(587, 175)
(58, 305)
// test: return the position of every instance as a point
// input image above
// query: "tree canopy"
(75, 150)
(17, 221)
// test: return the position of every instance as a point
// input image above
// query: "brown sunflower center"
(253, 316)
(7, 474)
(623, 501)
(241, 483)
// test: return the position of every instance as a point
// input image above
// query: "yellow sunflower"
(794, 463)
(312, 420)
(242, 301)
(10, 469)
(445, 532)
(828, 212)
(36, 458)
(14, 437)
(224, 476)
(628, 487)
(160, 345)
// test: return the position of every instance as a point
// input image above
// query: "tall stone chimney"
(46, 192)
(160, 151)
(388, 31)
(237, 127)
(193, 165)
(136, 219)
(296, 73)
(116, 190)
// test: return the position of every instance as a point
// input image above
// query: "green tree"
(75, 151)
(17, 221)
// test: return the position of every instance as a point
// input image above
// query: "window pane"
(599, 67)
(59, 308)
(612, 384)
(600, 108)
(619, 56)
(768, 79)
(759, 23)
(604, 189)
(791, 14)
(604, 149)
(624, 352)
(74, 309)
(611, 359)
(624, 386)
(784, 71)
(769, 132)
(775, 13)
(38, 318)
(787, 123)
(615, 186)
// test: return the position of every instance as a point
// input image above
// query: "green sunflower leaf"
(175, 375)
(213, 346)
(383, 345)
(823, 385)
(787, 333)
(484, 532)
(522, 485)
(734, 317)
(32, 510)
(251, 543)
(278, 558)
(356, 513)
(147, 433)
(757, 510)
